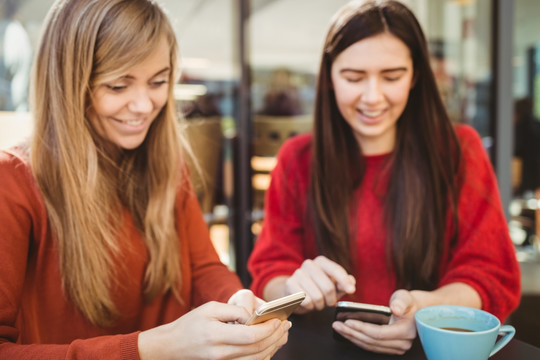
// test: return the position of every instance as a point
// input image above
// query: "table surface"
(311, 338)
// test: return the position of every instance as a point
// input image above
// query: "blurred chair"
(205, 137)
(270, 132)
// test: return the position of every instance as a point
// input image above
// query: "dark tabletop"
(311, 338)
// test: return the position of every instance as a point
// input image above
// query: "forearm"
(275, 288)
(452, 294)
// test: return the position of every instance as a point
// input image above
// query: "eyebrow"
(403, 68)
(153, 76)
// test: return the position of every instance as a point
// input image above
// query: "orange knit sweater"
(37, 321)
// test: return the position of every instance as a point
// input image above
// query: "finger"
(338, 273)
(348, 287)
(402, 329)
(246, 299)
(237, 334)
(400, 302)
(268, 352)
(255, 345)
(397, 349)
(325, 284)
(225, 312)
(292, 286)
(379, 343)
(314, 296)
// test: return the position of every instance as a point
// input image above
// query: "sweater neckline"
(376, 159)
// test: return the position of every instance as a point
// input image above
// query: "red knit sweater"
(483, 256)
(34, 311)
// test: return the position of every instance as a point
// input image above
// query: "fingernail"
(289, 324)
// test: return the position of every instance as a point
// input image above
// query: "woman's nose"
(141, 102)
(372, 91)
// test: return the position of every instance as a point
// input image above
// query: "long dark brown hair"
(422, 188)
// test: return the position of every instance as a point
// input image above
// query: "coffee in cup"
(449, 332)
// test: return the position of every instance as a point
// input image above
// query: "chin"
(130, 144)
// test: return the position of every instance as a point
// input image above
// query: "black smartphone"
(376, 314)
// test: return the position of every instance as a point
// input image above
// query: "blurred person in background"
(282, 97)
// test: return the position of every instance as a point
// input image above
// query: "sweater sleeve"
(211, 279)
(282, 245)
(483, 255)
(20, 215)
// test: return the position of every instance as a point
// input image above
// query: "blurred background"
(248, 79)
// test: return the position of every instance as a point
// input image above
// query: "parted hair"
(87, 182)
(422, 187)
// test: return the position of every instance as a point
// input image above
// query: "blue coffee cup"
(449, 332)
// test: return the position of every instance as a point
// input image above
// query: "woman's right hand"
(214, 330)
(324, 282)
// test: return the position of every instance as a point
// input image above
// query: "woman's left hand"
(246, 299)
(394, 338)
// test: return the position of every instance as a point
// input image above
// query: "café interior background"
(279, 44)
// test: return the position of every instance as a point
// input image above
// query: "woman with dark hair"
(387, 202)
(104, 250)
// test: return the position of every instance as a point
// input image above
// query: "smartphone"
(280, 308)
(376, 314)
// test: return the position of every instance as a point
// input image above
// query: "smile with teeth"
(131, 122)
(371, 114)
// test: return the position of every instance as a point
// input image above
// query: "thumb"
(401, 302)
(226, 313)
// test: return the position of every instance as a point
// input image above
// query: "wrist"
(275, 288)
(148, 343)
(423, 298)
(450, 294)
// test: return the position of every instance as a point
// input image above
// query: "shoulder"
(296, 149)
(468, 136)
(14, 161)
(475, 167)
(294, 158)
(17, 183)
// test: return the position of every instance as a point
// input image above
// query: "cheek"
(106, 105)
(399, 95)
(160, 98)
(345, 93)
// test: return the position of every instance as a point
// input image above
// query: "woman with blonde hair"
(104, 249)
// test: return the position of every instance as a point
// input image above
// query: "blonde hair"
(87, 182)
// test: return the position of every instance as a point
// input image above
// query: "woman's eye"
(116, 88)
(159, 83)
(353, 80)
(392, 78)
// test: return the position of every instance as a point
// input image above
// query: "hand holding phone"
(280, 308)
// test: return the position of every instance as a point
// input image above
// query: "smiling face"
(124, 108)
(371, 81)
